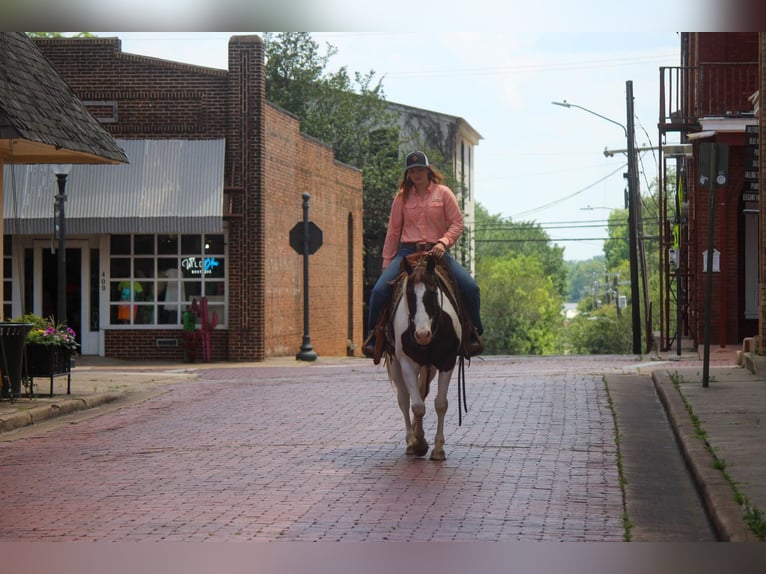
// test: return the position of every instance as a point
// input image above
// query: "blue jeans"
(381, 292)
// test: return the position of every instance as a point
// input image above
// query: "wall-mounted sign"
(199, 265)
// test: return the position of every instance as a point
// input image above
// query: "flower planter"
(49, 361)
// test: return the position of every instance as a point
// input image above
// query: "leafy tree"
(521, 306)
(616, 247)
(497, 236)
(349, 113)
(580, 276)
(600, 331)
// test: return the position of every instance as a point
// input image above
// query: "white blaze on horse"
(427, 333)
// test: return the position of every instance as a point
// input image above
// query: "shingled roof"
(41, 118)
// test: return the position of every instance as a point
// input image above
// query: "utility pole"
(633, 200)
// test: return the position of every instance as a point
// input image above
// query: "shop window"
(154, 278)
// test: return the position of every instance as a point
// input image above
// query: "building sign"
(199, 266)
(752, 158)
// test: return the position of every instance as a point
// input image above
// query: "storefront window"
(154, 278)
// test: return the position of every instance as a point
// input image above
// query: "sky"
(536, 161)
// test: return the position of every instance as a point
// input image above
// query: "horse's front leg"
(440, 406)
(417, 445)
(403, 397)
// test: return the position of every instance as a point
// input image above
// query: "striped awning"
(169, 186)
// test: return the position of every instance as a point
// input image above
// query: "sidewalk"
(726, 448)
(95, 381)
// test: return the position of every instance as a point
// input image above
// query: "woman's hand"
(438, 250)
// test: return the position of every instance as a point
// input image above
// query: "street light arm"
(566, 104)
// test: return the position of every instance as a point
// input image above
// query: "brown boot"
(369, 345)
(475, 344)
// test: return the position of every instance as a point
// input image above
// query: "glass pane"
(167, 244)
(7, 267)
(191, 245)
(168, 314)
(214, 289)
(144, 315)
(214, 267)
(144, 267)
(7, 244)
(119, 245)
(143, 244)
(119, 267)
(214, 245)
(192, 289)
(167, 267)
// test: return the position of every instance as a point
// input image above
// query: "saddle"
(384, 337)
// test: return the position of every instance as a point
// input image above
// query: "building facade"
(710, 190)
(204, 209)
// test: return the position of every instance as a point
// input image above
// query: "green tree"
(349, 113)
(599, 331)
(497, 236)
(580, 276)
(616, 247)
(521, 306)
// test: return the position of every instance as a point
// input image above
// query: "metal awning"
(169, 186)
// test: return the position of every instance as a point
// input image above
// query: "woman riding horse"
(425, 216)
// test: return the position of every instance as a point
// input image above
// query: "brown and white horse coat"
(427, 334)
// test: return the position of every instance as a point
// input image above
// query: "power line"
(571, 195)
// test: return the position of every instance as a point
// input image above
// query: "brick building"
(708, 104)
(204, 209)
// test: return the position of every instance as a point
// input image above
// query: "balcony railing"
(688, 93)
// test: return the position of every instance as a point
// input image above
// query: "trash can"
(12, 337)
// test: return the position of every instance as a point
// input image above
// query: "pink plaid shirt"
(434, 217)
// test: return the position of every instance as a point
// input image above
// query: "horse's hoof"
(438, 455)
(410, 450)
(421, 449)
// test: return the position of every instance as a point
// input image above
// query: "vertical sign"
(752, 153)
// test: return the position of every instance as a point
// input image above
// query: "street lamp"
(632, 208)
(59, 221)
(566, 104)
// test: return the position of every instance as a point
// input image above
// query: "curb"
(40, 413)
(716, 492)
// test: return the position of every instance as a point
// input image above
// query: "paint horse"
(425, 331)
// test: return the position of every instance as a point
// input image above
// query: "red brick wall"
(712, 91)
(269, 162)
(728, 237)
(296, 164)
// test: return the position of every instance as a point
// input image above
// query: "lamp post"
(632, 177)
(59, 221)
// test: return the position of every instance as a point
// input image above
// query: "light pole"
(59, 221)
(632, 209)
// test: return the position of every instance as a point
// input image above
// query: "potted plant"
(49, 349)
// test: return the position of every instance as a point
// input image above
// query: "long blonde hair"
(406, 184)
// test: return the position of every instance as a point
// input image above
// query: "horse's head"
(422, 298)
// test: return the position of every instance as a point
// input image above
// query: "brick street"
(316, 453)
